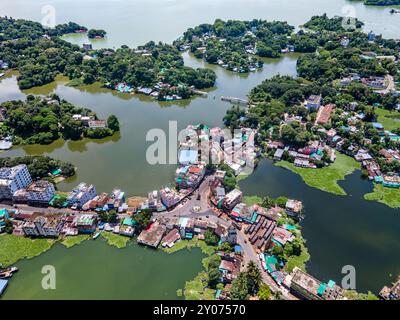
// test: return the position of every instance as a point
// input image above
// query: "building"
(38, 193)
(43, 227)
(242, 213)
(278, 154)
(260, 233)
(170, 197)
(13, 179)
(294, 208)
(171, 238)
(371, 36)
(229, 267)
(313, 102)
(87, 46)
(307, 287)
(97, 123)
(232, 199)
(392, 293)
(324, 114)
(127, 227)
(152, 235)
(81, 194)
(4, 216)
(86, 223)
(188, 157)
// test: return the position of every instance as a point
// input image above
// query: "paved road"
(391, 85)
(23, 208)
(249, 254)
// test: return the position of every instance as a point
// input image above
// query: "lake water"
(134, 22)
(95, 270)
(339, 230)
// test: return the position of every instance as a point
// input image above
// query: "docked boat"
(7, 272)
(96, 236)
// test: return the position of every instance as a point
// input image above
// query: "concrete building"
(13, 179)
(43, 227)
(232, 199)
(307, 287)
(38, 193)
(152, 235)
(81, 194)
(3, 218)
(86, 223)
(313, 102)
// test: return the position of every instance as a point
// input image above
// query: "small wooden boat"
(96, 236)
(6, 274)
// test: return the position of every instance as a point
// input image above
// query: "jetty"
(200, 93)
(235, 100)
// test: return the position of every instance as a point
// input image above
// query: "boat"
(96, 236)
(9, 269)
(6, 274)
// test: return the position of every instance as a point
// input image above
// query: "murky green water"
(95, 270)
(339, 230)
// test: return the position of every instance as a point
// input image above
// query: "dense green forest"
(39, 55)
(96, 33)
(40, 166)
(236, 45)
(43, 120)
(336, 24)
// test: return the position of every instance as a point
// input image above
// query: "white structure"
(13, 179)
(39, 192)
(43, 227)
(232, 199)
(81, 194)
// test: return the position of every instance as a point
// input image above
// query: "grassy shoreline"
(15, 248)
(69, 242)
(387, 196)
(325, 179)
(115, 240)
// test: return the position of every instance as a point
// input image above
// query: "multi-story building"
(13, 179)
(43, 227)
(81, 194)
(314, 102)
(38, 193)
(307, 287)
(3, 218)
(232, 199)
(86, 223)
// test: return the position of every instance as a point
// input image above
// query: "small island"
(42, 120)
(39, 54)
(96, 34)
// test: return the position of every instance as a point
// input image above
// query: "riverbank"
(197, 288)
(387, 196)
(69, 242)
(327, 178)
(14, 248)
(115, 240)
(152, 274)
